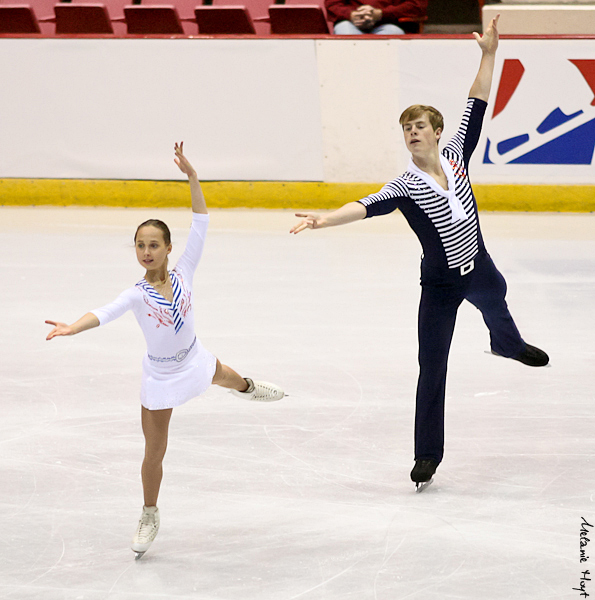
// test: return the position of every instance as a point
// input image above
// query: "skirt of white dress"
(172, 384)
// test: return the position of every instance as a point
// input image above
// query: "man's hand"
(488, 42)
(310, 221)
(366, 16)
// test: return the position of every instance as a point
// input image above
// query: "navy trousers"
(443, 291)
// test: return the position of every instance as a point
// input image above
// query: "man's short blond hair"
(417, 110)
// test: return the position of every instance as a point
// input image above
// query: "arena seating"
(184, 9)
(152, 20)
(82, 18)
(18, 18)
(41, 11)
(257, 10)
(297, 19)
(165, 17)
(234, 20)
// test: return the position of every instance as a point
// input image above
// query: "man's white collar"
(455, 204)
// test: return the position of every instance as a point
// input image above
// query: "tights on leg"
(226, 377)
(155, 425)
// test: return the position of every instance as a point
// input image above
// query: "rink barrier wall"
(288, 110)
(271, 194)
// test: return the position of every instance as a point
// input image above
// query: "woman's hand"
(182, 162)
(59, 329)
(199, 204)
(87, 321)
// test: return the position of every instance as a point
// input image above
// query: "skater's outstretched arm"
(87, 321)
(488, 42)
(352, 211)
(199, 204)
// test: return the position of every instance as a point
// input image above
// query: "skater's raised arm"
(348, 213)
(488, 42)
(199, 204)
(87, 321)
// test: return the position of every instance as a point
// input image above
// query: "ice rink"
(309, 497)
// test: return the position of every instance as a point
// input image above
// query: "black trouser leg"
(487, 292)
(436, 321)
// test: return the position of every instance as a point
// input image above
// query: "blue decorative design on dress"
(174, 305)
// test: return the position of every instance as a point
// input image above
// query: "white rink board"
(281, 110)
(112, 109)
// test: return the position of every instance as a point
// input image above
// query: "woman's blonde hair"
(417, 110)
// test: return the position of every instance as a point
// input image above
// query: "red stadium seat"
(297, 19)
(152, 20)
(258, 11)
(114, 8)
(82, 18)
(18, 18)
(184, 8)
(234, 20)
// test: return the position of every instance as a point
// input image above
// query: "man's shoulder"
(402, 183)
(409, 181)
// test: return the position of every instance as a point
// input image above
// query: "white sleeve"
(115, 309)
(188, 262)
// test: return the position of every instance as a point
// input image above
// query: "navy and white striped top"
(445, 244)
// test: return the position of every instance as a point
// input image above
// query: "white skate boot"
(146, 532)
(260, 391)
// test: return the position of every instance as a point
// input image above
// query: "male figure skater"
(436, 198)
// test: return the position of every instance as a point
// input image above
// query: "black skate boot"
(531, 356)
(422, 473)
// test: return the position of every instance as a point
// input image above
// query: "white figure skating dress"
(176, 367)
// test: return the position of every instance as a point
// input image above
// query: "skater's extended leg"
(155, 425)
(487, 292)
(244, 387)
(226, 377)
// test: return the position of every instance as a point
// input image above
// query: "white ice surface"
(309, 497)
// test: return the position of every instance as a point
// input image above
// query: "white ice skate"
(147, 529)
(261, 391)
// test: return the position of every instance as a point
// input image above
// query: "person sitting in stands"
(386, 17)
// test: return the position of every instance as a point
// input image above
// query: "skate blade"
(420, 486)
(138, 555)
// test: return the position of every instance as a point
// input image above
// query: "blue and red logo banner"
(549, 124)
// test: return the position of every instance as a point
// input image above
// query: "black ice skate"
(422, 473)
(531, 356)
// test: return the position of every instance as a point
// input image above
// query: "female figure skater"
(176, 367)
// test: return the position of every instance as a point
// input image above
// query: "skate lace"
(146, 527)
(264, 390)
